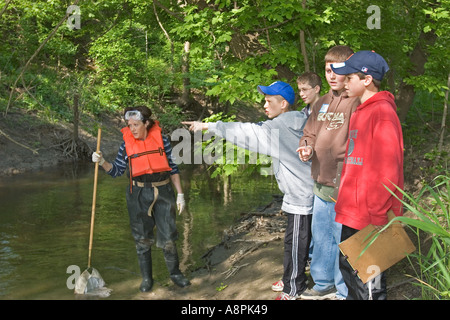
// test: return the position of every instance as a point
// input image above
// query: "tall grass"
(430, 222)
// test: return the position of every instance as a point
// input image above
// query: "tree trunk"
(303, 45)
(76, 117)
(418, 58)
(303, 49)
(444, 117)
(185, 70)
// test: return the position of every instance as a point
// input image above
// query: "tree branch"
(176, 15)
(5, 7)
(18, 143)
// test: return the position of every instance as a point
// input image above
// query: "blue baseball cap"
(367, 62)
(279, 88)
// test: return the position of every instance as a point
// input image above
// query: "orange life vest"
(146, 156)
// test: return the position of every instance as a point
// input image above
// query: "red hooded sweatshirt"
(373, 160)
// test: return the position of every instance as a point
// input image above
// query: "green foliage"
(221, 287)
(234, 84)
(440, 159)
(126, 75)
(421, 134)
(221, 166)
(171, 118)
(129, 52)
(431, 262)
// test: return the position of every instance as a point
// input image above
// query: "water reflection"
(45, 220)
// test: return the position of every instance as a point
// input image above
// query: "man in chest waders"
(150, 196)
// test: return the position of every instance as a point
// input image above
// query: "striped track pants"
(296, 249)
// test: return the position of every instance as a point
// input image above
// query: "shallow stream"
(45, 222)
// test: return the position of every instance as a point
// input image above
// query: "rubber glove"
(181, 204)
(98, 157)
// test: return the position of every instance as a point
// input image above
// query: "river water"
(45, 222)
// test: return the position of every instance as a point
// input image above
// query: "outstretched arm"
(196, 125)
(257, 137)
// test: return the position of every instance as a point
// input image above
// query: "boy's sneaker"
(278, 286)
(285, 296)
(311, 294)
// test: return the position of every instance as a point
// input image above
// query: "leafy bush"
(431, 261)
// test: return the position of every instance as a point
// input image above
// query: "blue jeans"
(326, 234)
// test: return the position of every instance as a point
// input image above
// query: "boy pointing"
(293, 176)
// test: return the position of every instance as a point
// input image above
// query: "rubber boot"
(172, 263)
(145, 264)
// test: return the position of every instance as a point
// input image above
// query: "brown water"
(45, 220)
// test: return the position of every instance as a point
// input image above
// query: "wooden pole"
(94, 198)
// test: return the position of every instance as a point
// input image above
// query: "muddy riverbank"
(249, 259)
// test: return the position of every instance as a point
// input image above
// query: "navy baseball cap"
(279, 88)
(367, 62)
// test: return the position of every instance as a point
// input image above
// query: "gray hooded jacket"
(278, 138)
